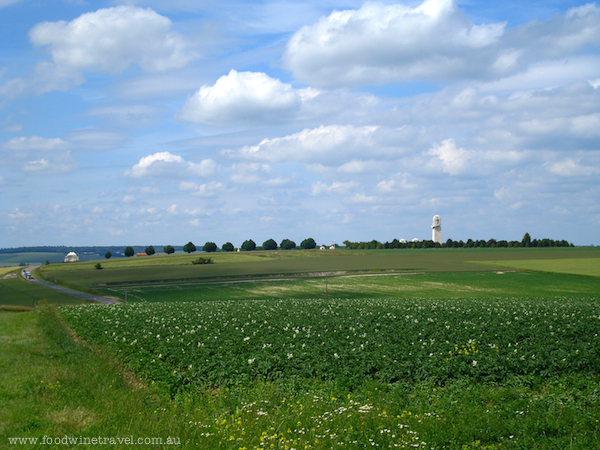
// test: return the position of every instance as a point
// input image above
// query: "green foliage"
(189, 247)
(108, 254)
(129, 251)
(98, 266)
(491, 243)
(202, 260)
(169, 249)
(228, 247)
(352, 341)
(286, 244)
(92, 395)
(210, 247)
(270, 244)
(308, 244)
(150, 251)
(249, 245)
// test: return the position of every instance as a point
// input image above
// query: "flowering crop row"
(232, 342)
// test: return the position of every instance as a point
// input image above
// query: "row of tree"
(248, 245)
(491, 243)
(307, 244)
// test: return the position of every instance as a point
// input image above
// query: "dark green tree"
(189, 248)
(108, 255)
(270, 245)
(309, 243)
(287, 244)
(526, 242)
(210, 247)
(169, 250)
(249, 245)
(150, 251)
(228, 247)
(128, 251)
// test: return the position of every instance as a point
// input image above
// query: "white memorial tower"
(436, 234)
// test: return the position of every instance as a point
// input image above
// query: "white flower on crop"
(250, 361)
(474, 363)
(290, 355)
(247, 338)
(336, 356)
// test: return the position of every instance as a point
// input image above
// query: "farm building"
(71, 257)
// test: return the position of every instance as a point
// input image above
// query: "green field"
(16, 259)
(6, 270)
(423, 285)
(581, 266)
(439, 349)
(18, 292)
(177, 269)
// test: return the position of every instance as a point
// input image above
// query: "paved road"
(29, 277)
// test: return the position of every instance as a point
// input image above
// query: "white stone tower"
(436, 229)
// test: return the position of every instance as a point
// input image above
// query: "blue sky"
(150, 122)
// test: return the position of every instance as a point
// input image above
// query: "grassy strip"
(583, 266)
(51, 385)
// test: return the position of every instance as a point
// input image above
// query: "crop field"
(228, 343)
(178, 268)
(424, 349)
(440, 346)
(422, 285)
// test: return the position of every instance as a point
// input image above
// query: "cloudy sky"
(152, 122)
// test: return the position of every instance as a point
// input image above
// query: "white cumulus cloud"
(434, 41)
(247, 97)
(165, 163)
(380, 43)
(452, 158)
(322, 144)
(112, 39)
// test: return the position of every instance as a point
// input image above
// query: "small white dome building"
(72, 257)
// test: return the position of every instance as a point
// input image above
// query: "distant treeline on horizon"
(101, 249)
(491, 243)
(117, 250)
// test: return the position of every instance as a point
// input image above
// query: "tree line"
(209, 247)
(470, 243)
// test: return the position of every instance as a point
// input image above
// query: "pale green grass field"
(7, 270)
(584, 266)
